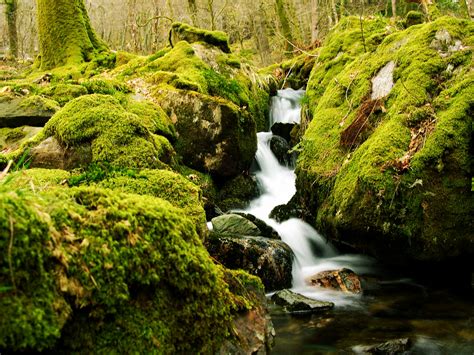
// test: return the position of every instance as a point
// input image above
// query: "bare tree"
(11, 17)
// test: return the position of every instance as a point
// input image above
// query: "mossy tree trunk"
(10, 12)
(65, 34)
(192, 7)
(284, 23)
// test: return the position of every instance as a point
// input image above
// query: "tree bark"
(314, 21)
(10, 12)
(65, 34)
(285, 24)
(394, 8)
(193, 10)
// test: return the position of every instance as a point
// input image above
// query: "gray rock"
(214, 135)
(234, 224)
(391, 347)
(295, 303)
(17, 112)
(382, 83)
(265, 230)
(269, 259)
(49, 154)
(444, 43)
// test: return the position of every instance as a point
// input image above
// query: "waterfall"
(313, 253)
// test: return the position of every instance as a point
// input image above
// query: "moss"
(38, 179)
(101, 271)
(63, 93)
(237, 193)
(116, 136)
(414, 18)
(105, 86)
(368, 193)
(40, 103)
(192, 34)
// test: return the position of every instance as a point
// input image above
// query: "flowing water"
(436, 322)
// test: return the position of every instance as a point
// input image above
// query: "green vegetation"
(87, 269)
(383, 187)
(116, 135)
(185, 32)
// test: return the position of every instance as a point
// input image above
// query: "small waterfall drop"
(277, 182)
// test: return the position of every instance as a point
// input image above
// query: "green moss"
(368, 193)
(414, 18)
(192, 34)
(40, 103)
(116, 136)
(105, 86)
(93, 270)
(63, 93)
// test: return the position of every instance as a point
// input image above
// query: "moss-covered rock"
(91, 270)
(63, 93)
(392, 175)
(184, 32)
(114, 134)
(28, 111)
(12, 138)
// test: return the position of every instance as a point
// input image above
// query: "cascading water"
(277, 183)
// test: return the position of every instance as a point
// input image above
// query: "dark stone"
(269, 259)
(265, 230)
(14, 114)
(295, 303)
(283, 130)
(238, 192)
(283, 213)
(234, 224)
(341, 280)
(280, 148)
(391, 347)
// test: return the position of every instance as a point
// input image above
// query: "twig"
(153, 18)
(5, 171)
(287, 75)
(298, 48)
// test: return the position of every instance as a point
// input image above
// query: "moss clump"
(414, 18)
(105, 86)
(185, 32)
(96, 270)
(116, 136)
(63, 93)
(40, 103)
(38, 179)
(396, 184)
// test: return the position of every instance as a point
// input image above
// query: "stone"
(382, 83)
(269, 259)
(238, 192)
(341, 280)
(283, 213)
(12, 138)
(445, 44)
(49, 154)
(214, 135)
(280, 148)
(234, 224)
(17, 112)
(265, 230)
(283, 130)
(295, 303)
(391, 347)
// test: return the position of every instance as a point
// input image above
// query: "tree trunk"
(285, 24)
(470, 8)
(193, 11)
(394, 8)
(65, 34)
(314, 21)
(10, 12)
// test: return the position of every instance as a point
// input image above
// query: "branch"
(296, 47)
(154, 18)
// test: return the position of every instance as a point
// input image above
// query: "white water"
(313, 253)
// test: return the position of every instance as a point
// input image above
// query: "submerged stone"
(391, 347)
(295, 303)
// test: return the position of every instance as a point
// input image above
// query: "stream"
(391, 307)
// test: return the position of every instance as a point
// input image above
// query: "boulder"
(265, 230)
(269, 259)
(341, 280)
(391, 347)
(234, 224)
(238, 192)
(50, 154)
(283, 213)
(184, 32)
(280, 148)
(295, 303)
(283, 130)
(214, 135)
(30, 111)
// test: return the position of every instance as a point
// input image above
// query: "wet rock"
(269, 259)
(295, 303)
(341, 280)
(283, 130)
(396, 346)
(234, 224)
(49, 154)
(265, 230)
(280, 148)
(33, 111)
(237, 192)
(283, 213)
(214, 135)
